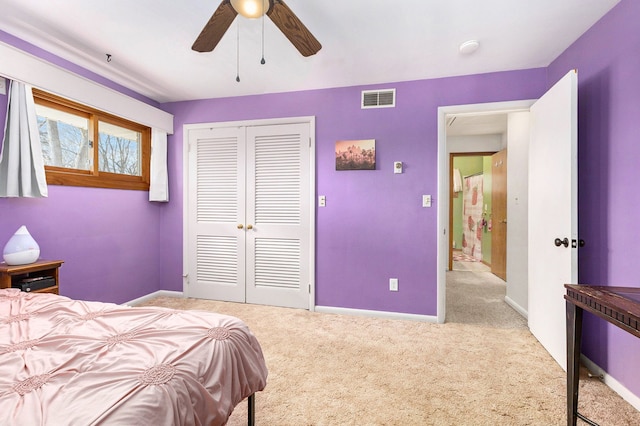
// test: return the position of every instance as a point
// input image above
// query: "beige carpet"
(327, 369)
(478, 298)
(470, 266)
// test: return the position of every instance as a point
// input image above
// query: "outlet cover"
(393, 284)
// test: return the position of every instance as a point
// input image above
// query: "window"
(82, 146)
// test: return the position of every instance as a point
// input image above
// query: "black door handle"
(558, 242)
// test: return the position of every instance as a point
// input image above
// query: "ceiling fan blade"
(293, 28)
(213, 31)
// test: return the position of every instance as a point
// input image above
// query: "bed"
(70, 362)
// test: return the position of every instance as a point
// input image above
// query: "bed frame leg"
(251, 419)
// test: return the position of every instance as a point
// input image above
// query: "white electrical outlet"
(393, 284)
(426, 201)
(322, 201)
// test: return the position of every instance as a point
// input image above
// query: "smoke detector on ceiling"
(468, 47)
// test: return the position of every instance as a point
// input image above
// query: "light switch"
(426, 201)
(322, 201)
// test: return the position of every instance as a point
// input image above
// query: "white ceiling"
(364, 41)
(477, 124)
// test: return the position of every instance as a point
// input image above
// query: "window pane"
(64, 138)
(119, 149)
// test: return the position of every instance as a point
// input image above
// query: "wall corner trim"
(153, 295)
(375, 314)
(615, 385)
(519, 309)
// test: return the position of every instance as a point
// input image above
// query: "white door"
(553, 212)
(278, 214)
(216, 213)
(250, 227)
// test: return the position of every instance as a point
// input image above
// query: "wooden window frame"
(95, 178)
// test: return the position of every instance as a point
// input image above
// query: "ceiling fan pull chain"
(238, 52)
(262, 61)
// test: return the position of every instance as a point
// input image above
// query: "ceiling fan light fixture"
(277, 11)
(250, 8)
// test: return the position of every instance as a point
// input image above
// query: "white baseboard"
(154, 294)
(615, 385)
(375, 314)
(519, 309)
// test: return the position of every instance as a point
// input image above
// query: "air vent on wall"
(385, 98)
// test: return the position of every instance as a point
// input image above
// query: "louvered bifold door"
(216, 227)
(278, 185)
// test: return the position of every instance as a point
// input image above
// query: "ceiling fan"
(277, 10)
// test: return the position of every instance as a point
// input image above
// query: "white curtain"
(457, 180)
(159, 185)
(21, 163)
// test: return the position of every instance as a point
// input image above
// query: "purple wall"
(608, 65)
(373, 227)
(109, 239)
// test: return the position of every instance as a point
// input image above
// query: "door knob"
(504, 221)
(240, 226)
(558, 242)
(249, 226)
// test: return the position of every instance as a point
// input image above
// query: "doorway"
(461, 144)
(544, 203)
(470, 207)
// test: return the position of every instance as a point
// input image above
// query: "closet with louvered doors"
(249, 213)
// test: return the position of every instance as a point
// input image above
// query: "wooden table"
(618, 305)
(9, 274)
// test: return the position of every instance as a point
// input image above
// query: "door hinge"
(309, 142)
(309, 288)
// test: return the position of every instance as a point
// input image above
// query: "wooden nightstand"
(41, 268)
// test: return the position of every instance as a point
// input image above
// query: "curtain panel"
(21, 164)
(159, 179)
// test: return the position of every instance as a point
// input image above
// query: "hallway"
(476, 296)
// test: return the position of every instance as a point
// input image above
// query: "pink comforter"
(68, 362)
